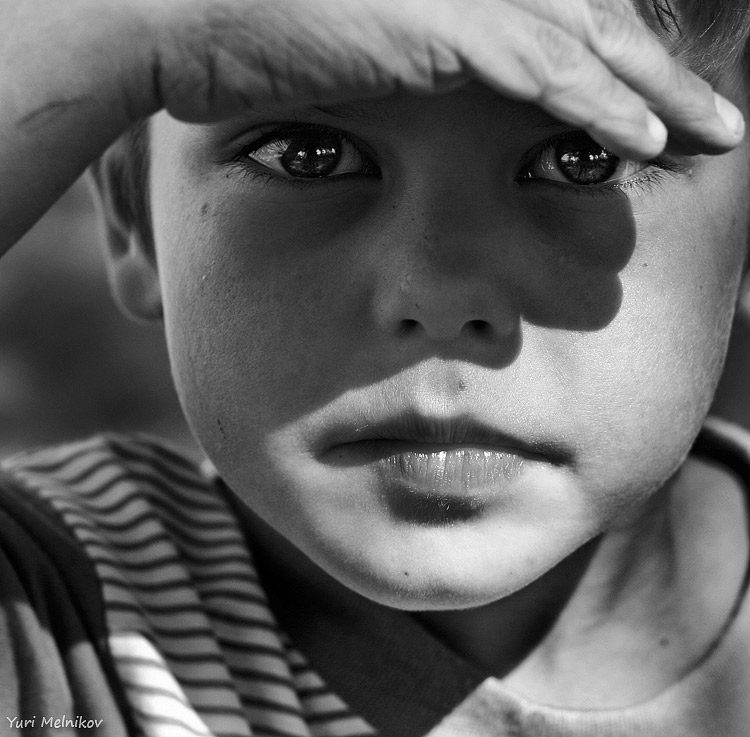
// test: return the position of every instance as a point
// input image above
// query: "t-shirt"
(132, 602)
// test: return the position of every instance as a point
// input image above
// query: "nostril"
(409, 326)
(479, 328)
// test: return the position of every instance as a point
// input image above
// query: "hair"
(707, 35)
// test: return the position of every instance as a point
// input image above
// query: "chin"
(420, 596)
(433, 584)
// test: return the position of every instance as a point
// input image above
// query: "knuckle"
(562, 53)
(594, 103)
(610, 17)
(612, 25)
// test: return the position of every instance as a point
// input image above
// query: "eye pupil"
(312, 156)
(585, 162)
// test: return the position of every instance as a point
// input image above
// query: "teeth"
(456, 469)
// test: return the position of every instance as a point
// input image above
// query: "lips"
(457, 462)
(453, 469)
(411, 429)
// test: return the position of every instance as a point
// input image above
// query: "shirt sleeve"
(56, 675)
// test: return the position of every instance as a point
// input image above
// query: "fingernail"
(730, 116)
(657, 130)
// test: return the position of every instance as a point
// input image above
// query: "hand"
(75, 74)
(591, 63)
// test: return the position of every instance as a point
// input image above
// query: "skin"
(587, 328)
(590, 331)
(606, 316)
(588, 62)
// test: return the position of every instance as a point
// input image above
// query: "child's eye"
(308, 152)
(576, 159)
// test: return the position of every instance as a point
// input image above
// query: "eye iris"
(586, 163)
(312, 156)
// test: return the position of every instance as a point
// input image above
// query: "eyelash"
(255, 170)
(643, 181)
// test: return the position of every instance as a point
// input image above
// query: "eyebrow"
(365, 112)
(379, 114)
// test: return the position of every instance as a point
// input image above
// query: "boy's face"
(447, 363)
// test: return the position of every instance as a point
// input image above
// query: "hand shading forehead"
(405, 115)
(385, 114)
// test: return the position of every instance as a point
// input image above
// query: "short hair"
(707, 35)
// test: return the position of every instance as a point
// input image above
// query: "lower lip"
(461, 471)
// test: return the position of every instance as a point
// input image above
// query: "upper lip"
(463, 430)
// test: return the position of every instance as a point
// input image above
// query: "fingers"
(594, 64)
(591, 63)
(531, 59)
(695, 115)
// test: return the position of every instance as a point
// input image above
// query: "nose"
(445, 289)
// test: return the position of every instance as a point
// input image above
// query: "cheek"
(248, 319)
(684, 282)
(656, 366)
(256, 319)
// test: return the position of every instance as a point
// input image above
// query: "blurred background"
(72, 365)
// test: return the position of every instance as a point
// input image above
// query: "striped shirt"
(131, 604)
(194, 642)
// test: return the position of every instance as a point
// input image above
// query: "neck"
(501, 635)
(626, 615)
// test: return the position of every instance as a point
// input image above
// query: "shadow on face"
(448, 271)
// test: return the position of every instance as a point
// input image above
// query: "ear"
(127, 244)
(743, 296)
(743, 301)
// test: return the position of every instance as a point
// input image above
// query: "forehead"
(402, 113)
(403, 110)
(396, 110)
(392, 111)
(471, 117)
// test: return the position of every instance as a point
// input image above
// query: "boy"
(449, 350)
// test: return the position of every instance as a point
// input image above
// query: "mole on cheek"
(221, 428)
